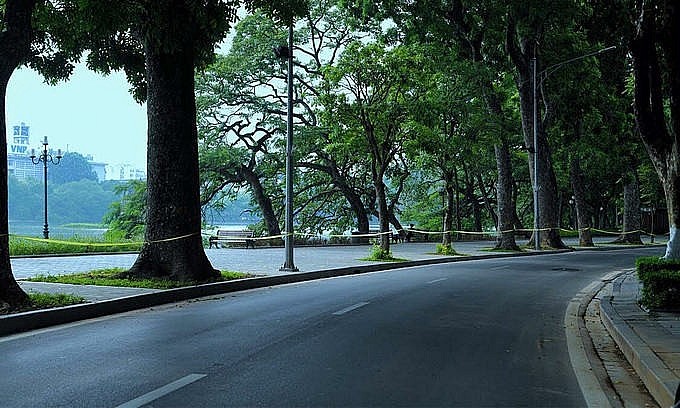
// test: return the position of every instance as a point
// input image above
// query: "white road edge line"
(162, 391)
(592, 392)
(436, 280)
(350, 308)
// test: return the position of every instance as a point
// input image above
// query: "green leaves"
(129, 214)
(283, 12)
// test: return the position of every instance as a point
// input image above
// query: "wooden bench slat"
(234, 236)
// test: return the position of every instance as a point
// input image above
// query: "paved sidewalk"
(650, 341)
(262, 261)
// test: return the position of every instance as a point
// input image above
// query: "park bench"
(376, 239)
(232, 237)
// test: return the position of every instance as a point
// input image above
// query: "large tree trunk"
(15, 40)
(352, 198)
(471, 198)
(11, 295)
(632, 217)
(585, 236)
(654, 46)
(449, 202)
(504, 187)
(515, 217)
(383, 214)
(506, 210)
(469, 37)
(459, 216)
(546, 181)
(263, 201)
(341, 183)
(485, 197)
(173, 246)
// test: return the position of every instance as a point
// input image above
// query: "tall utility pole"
(537, 79)
(537, 225)
(289, 240)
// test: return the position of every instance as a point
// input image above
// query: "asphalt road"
(479, 333)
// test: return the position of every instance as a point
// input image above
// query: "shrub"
(379, 254)
(660, 282)
(445, 250)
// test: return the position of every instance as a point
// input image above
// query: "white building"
(20, 165)
(124, 171)
(19, 162)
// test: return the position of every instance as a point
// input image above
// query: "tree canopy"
(404, 112)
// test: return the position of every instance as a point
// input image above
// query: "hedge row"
(660, 282)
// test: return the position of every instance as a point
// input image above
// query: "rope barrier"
(319, 235)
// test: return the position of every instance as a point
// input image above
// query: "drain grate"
(563, 269)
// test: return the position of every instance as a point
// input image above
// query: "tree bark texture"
(173, 247)
(585, 236)
(655, 45)
(263, 201)
(472, 198)
(506, 211)
(473, 40)
(15, 42)
(352, 198)
(487, 200)
(632, 217)
(520, 49)
(449, 203)
(383, 213)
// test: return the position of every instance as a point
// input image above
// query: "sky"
(90, 114)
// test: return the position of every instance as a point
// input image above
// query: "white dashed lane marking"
(162, 391)
(350, 308)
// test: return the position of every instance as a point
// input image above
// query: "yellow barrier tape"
(269, 237)
(102, 244)
(621, 232)
(302, 234)
(608, 232)
(155, 241)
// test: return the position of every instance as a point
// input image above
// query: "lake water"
(29, 229)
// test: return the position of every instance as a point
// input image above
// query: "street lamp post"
(573, 222)
(537, 81)
(289, 239)
(537, 232)
(44, 158)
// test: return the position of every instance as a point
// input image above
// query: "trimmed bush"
(660, 282)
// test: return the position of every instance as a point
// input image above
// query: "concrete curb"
(659, 380)
(581, 349)
(37, 319)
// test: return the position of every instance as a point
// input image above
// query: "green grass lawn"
(38, 246)
(116, 277)
(40, 300)
(48, 300)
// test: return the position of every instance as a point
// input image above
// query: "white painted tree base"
(673, 246)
